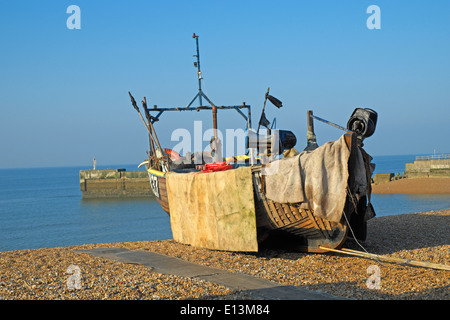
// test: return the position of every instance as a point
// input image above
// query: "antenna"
(200, 93)
(197, 64)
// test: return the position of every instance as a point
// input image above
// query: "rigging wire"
(348, 223)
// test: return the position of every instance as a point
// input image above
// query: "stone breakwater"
(44, 274)
(114, 183)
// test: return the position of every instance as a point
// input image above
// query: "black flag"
(263, 121)
(277, 103)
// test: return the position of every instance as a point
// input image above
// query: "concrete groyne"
(114, 183)
(434, 166)
(430, 166)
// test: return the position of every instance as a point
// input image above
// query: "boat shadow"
(385, 235)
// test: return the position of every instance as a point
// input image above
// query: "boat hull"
(158, 185)
(298, 227)
(304, 231)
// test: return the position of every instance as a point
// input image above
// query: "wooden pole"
(158, 149)
(217, 144)
(133, 102)
(264, 107)
(408, 262)
(147, 115)
(150, 129)
(214, 112)
(310, 121)
(154, 138)
(311, 142)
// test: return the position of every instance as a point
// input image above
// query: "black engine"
(363, 122)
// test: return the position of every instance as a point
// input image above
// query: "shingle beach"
(43, 274)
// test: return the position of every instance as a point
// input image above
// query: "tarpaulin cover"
(316, 179)
(213, 210)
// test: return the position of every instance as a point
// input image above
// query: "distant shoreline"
(414, 186)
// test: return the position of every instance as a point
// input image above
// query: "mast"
(216, 146)
(199, 73)
(213, 107)
(200, 93)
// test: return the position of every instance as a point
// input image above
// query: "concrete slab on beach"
(257, 287)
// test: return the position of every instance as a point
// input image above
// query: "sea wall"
(382, 178)
(114, 183)
(428, 168)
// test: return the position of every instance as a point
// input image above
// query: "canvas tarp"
(316, 179)
(213, 210)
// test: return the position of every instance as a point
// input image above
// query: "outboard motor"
(287, 139)
(363, 122)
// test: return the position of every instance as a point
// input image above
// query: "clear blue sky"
(64, 93)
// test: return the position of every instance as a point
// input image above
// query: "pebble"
(44, 274)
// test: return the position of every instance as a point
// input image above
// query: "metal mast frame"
(200, 94)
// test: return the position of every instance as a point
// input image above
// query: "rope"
(408, 262)
(349, 226)
(377, 257)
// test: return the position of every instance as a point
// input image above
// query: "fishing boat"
(311, 200)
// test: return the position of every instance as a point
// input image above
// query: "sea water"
(43, 207)
(390, 204)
